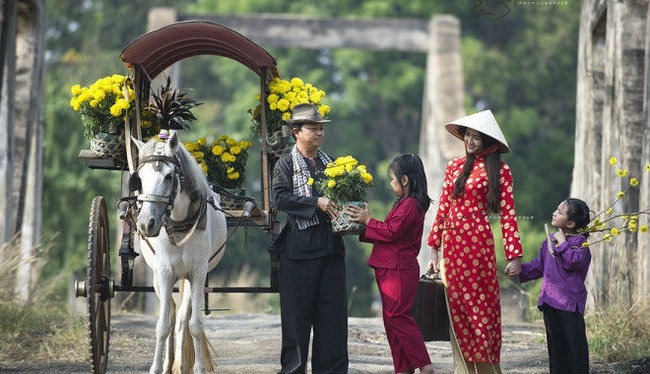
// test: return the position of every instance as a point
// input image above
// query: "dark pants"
(567, 341)
(313, 296)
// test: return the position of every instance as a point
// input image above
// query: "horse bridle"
(135, 183)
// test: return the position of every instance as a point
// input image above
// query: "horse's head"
(158, 178)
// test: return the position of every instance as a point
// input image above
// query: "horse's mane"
(192, 171)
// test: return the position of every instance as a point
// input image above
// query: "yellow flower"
(634, 182)
(331, 183)
(644, 228)
(235, 150)
(202, 141)
(198, 155)
(609, 210)
(614, 231)
(217, 150)
(621, 173)
(607, 238)
(283, 105)
(620, 195)
(234, 175)
(367, 177)
(225, 157)
(231, 141)
(310, 181)
(585, 244)
(613, 161)
(647, 167)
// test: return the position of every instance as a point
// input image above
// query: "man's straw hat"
(306, 113)
(483, 122)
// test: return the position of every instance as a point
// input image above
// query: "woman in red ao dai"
(475, 185)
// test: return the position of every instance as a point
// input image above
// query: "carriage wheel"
(99, 286)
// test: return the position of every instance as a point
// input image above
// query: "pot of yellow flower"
(282, 96)
(103, 107)
(345, 182)
(224, 163)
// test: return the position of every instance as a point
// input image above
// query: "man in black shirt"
(312, 259)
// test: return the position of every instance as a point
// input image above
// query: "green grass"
(41, 329)
(618, 333)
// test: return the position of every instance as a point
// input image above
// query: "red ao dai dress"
(462, 230)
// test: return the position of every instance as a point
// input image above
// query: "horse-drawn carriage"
(164, 184)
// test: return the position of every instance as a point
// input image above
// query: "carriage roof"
(157, 50)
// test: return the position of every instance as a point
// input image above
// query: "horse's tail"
(187, 357)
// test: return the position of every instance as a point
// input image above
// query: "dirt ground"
(250, 343)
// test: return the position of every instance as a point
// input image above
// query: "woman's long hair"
(492, 163)
(411, 166)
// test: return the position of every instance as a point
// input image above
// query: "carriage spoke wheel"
(99, 286)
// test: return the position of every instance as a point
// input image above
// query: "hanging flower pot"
(281, 142)
(343, 225)
(109, 144)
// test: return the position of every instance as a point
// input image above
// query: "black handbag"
(430, 308)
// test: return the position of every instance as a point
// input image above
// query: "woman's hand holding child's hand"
(357, 214)
(513, 268)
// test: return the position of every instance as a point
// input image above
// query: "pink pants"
(397, 288)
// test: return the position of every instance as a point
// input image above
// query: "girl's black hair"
(578, 212)
(411, 166)
(492, 163)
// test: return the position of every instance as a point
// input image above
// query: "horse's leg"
(169, 345)
(183, 345)
(165, 281)
(196, 321)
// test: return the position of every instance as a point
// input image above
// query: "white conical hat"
(483, 122)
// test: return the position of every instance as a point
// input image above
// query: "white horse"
(181, 238)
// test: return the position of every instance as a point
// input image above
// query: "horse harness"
(199, 203)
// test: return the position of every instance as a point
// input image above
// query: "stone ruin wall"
(612, 121)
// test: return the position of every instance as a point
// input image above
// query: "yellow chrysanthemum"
(217, 150)
(331, 183)
(613, 161)
(310, 181)
(234, 175)
(202, 141)
(367, 177)
(225, 157)
(235, 150)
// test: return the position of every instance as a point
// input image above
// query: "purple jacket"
(563, 282)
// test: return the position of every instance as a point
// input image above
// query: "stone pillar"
(610, 122)
(442, 102)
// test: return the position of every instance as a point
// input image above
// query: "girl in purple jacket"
(396, 244)
(563, 265)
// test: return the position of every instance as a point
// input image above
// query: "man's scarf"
(300, 186)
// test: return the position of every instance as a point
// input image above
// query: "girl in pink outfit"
(396, 244)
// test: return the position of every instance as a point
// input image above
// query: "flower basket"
(346, 183)
(108, 145)
(342, 224)
(231, 200)
(280, 144)
(223, 161)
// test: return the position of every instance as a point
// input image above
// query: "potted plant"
(223, 161)
(103, 107)
(345, 182)
(171, 109)
(282, 96)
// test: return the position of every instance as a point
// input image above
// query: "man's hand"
(328, 206)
